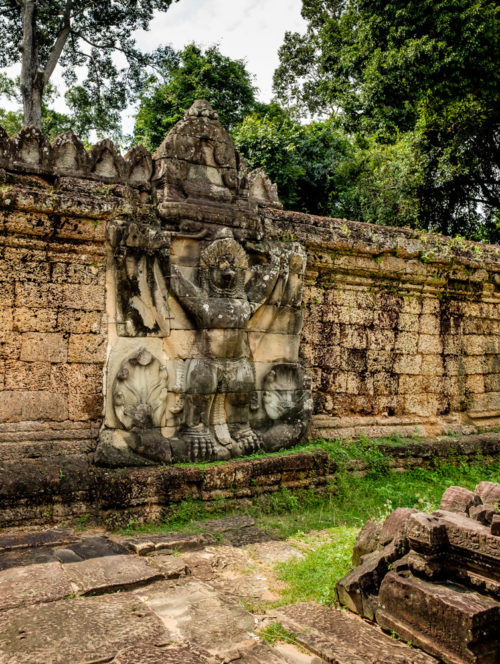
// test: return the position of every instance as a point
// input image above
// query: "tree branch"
(112, 46)
(60, 42)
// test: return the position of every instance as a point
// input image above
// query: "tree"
(75, 34)
(424, 66)
(184, 76)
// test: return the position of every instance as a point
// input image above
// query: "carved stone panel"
(206, 319)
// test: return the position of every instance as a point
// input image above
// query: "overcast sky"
(251, 30)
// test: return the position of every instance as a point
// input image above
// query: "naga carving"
(206, 314)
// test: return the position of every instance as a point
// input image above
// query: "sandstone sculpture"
(207, 314)
(433, 579)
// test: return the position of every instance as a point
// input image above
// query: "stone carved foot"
(200, 443)
(246, 440)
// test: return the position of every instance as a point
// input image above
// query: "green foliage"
(422, 72)
(82, 38)
(181, 78)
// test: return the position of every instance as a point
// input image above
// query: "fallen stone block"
(458, 499)
(483, 513)
(342, 638)
(495, 526)
(110, 573)
(448, 621)
(358, 590)
(394, 525)
(81, 631)
(367, 541)
(489, 492)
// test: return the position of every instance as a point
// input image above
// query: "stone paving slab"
(88, 630)
(53, 537)
(171, 567)
(170, 543)
(193, 612)
(148, 654)
(24, 557)
(342, 638)
(33, 584)
(111, 573)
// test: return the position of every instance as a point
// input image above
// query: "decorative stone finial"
(201, 108)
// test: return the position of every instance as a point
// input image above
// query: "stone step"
(340, 637)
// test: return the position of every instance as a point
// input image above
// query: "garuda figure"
(219, 385)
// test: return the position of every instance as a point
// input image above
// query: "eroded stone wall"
(401, 329)
(55, 203)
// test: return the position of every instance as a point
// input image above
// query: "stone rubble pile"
(434, 579)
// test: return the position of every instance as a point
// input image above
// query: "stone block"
(407, 364)
(6, 320)
(395, 525)
(19, 406)
(408, 322)
(99, 627)
(495, 525)
(453, 624)
(367, 541)
(489, 492)
(80, 322)
(51, 347)
(35, 320)
(85, 407)
(406, 342)
(32, 584)
(27, 375)
(87, 348)
(110, 573)
(429, 324)
(429, 344)
(83, 296)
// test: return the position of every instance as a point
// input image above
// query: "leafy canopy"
(187, 75)
(80, 36)
(429, 67)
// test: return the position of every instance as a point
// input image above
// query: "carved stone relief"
(204, 362)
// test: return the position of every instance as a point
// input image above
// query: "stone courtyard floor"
(69, 597)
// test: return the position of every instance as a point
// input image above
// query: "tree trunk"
(31, 78)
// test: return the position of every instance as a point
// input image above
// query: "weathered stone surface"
(458, 499)
(55, 537)
(183, 606)
(33, 584)
(171, 567)
(98, 575)
(446, 621)
(169, 543)
(81, 631)
(489, 492)
(394, 525)
(345, 639)
(495, 525)
(367, 541)
(148, 654)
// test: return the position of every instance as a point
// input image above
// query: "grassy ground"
(338, 513)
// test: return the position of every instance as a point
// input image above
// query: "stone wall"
(401, 328)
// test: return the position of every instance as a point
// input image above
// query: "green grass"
(358, 499)
(275, 632)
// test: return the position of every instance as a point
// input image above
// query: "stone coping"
(67, 488)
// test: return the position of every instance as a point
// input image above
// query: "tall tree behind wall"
(76, 34)
(428, 67)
